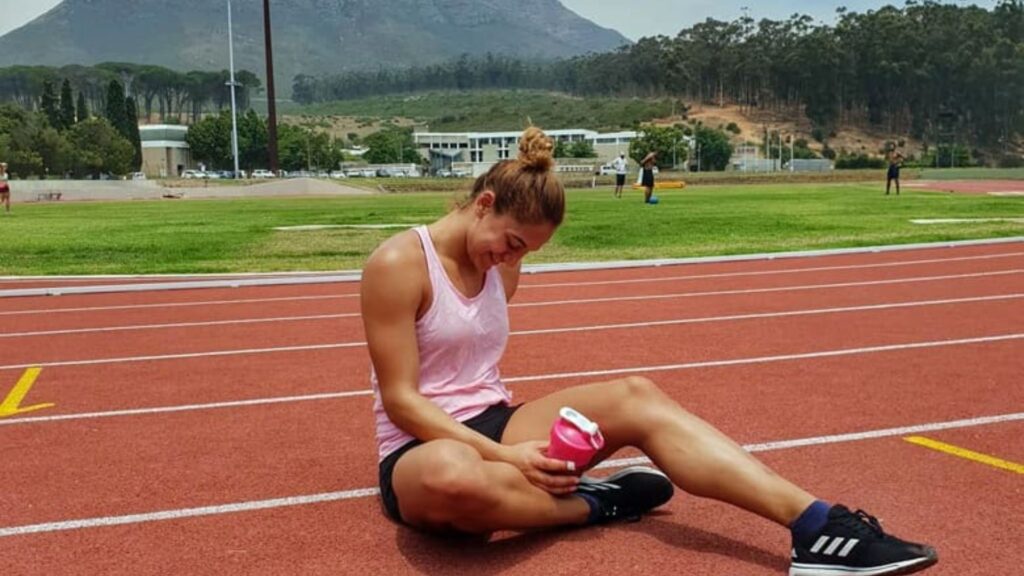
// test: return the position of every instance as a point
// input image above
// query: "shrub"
(859, 161)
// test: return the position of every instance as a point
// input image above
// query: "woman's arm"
(393, 288)
(510, 278)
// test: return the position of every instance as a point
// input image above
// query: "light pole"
(232, 84)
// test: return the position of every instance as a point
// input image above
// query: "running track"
(228, 431)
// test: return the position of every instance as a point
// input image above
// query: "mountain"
(310, 36)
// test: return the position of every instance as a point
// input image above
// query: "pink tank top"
(461, 340)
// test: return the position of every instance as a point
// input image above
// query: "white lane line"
(175, 304)
(571, 284)
(850, 437)
(771, 272)
(736, 317)
(766, 290)
(187, 407)
(548, 330)
(533, 378)
(784, 314)
(766, 359)
(188, 355)
(179, 325)
(253, 505)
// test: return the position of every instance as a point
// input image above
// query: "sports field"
(236, 235)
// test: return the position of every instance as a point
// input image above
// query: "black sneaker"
(853, 543)
(627, 494)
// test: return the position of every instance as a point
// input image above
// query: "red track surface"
(768, 350)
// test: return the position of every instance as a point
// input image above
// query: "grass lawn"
(237, 235)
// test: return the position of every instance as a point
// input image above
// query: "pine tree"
(49, 105)
(82, 111)
(67, 106)
(115, 111)
(131, 113)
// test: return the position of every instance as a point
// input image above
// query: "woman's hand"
(554, 476)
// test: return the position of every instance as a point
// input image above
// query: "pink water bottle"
(574, 439)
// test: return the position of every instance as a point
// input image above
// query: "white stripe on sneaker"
(817, 545)
(836, 542)
(849, 547)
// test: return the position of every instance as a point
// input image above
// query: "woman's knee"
(453, 477)
(640, 391)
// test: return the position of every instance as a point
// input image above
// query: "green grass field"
(202, 236)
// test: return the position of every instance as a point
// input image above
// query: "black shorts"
(894, 173)
(620, 179)
(490, 423)
(648, 179)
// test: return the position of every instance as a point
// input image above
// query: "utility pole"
(271, 103)
(234, 114)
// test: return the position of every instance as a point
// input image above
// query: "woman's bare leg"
(445, 484)
(696, 456)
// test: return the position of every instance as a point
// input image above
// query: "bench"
(48, 196)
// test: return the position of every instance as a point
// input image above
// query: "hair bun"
(536, 149)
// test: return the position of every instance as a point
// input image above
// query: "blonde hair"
(525, 187)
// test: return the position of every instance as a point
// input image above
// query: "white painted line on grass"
(964, 220)
(179, 325)
(516, 379)
(175, 304)
(254, 505)
(770, 272)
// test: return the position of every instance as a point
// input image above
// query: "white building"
(164, 150)
(482, 149)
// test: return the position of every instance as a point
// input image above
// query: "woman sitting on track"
(456, 455)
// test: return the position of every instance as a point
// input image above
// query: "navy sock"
(595, 506)
(811, 521)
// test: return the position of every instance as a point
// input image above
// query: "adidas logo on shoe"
(854, 544)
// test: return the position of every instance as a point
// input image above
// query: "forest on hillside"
(930, 70)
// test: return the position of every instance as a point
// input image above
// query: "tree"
(67, 106)
(666, 141)
(50, 105)
(131, 113)
(715, 149)
(582, 149)
(210, 140)
(55, 152)
(81, 109)
(391, 145)
(100, 149)
(115, 109)
(252, 141)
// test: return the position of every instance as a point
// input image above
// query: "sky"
(633, 18)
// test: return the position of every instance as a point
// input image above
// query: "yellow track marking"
(964, 453)
(11, 405)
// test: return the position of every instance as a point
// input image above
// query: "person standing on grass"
(647, 179)
(457, 457)
(5, 188)
(621, 169)
(895, 159)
